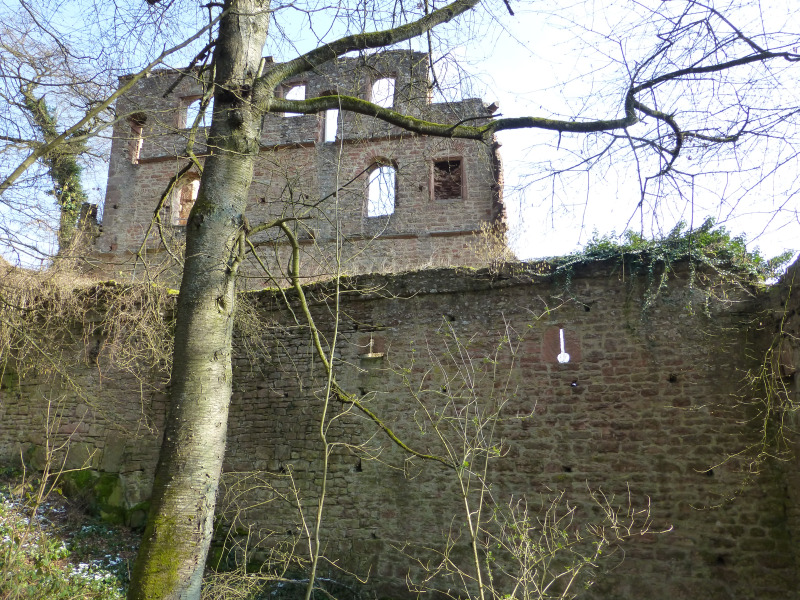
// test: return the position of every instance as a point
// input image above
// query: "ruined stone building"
(389, 200)
(648, 403)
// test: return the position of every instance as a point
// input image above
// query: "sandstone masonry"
(362, 196)
(652, 408)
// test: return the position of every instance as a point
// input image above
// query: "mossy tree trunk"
(63, 167)
(175, 544)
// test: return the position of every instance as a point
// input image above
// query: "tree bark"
(175, 544)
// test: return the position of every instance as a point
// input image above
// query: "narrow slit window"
(137, 141)
(383, 92)
(381, 191)
(298, 92)
(447, 179)
(563, 356)
(183, 201)
(331, 124)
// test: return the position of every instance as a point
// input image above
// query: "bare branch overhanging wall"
(651, 407)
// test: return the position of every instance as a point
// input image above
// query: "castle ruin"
(647, 401)
(362, 195)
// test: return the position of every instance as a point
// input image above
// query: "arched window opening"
(183, 200)
(297, 92)
(381, 191)
(383, 92)
(193, 109)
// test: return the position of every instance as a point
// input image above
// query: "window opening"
(331, 124)
(447, 179)
(137, 140)
(184, 199)
(193, 109)
(381, 191)
(563, 357)
(383, 92)
(298, 92)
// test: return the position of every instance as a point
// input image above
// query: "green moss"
(103, 495)
(164, 561)
(78, 481)
(9, 380)
(142, 506)
(115, 515)
(108, 489)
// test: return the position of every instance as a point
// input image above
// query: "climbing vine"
(706, 249)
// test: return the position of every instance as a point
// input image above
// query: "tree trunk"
(179, 528)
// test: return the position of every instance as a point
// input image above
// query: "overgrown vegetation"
(704, 250)
(50, 549)
(129, 326)
(707, 245)
(53, 326)
(62, 164)
(769, 386)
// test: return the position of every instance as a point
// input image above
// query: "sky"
(571, 61)
(605, 200)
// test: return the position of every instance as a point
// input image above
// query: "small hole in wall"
(451, 318)
(720, 559)
(94, 351)
(710, 473)
(672, 378)
(362, 391)
(566, 469)
(262, 200)
(587, 308)
(282, 470)
(357, 468)
(115, 207)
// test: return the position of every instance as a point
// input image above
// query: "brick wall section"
(298, 175)
(644, 407)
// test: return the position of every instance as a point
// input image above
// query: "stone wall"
(652, 408)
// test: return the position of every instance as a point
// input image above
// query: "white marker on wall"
(563, 357)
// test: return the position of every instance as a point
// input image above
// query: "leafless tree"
(696, 83)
